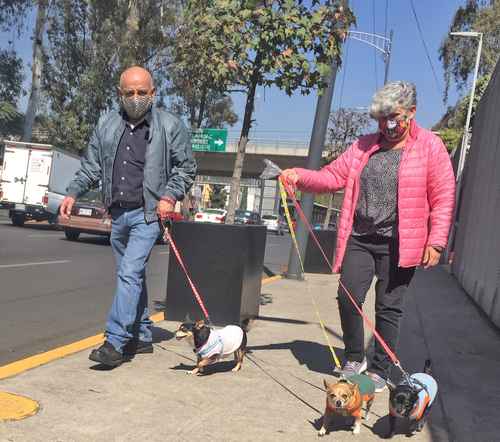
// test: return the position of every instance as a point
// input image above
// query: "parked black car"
(247, 217)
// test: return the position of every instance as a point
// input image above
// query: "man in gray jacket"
(142, 156)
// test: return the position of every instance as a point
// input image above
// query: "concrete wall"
(476, 261)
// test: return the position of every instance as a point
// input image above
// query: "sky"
(278, 116)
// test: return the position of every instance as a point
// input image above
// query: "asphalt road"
(54, 291)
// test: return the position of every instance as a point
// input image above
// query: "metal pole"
(262, 186)
(463, 153)
(388, 57)
(465, 138)
(316, 146)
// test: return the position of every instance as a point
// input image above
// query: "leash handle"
(385, 346)
(166, 225)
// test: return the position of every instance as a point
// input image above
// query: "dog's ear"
(353, 387)
(326, 384)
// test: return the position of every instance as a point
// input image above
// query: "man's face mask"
(394, 129)
(136, 103)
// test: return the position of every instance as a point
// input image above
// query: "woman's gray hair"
(391, 97)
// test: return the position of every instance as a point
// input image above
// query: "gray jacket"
(169, 168)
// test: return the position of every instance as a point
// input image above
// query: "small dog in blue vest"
(210, 344)
(412, 400)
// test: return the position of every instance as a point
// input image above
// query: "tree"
(90, 43)
(458, 54)
(11, 79)
(36, 69)
(11, 76)
(451, 125)
(218, 196)
(345, 126)
(245, 44)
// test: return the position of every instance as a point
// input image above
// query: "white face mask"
(136, 107)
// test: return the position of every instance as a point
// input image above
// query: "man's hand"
(164, 209)
(431, 257)
(291, 177)
(66, 207)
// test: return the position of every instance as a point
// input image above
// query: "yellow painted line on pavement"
(17, 367)
(271, 279)
(14, 407)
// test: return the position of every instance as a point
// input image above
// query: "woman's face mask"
(394, 128)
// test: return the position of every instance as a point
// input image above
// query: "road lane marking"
(163, 253)
(28, 264)
(17, 367)
(45, 235)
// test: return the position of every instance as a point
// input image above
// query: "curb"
(18, 367)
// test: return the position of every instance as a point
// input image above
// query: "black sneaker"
(136, 347)
(106, 354)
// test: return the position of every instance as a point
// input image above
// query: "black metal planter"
(314, 261)
(225, 263)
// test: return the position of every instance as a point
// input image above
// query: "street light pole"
(316, 146)
(465, 140)
(388, 57)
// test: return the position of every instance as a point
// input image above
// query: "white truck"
(34, 180)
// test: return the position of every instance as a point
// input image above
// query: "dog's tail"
(427, 367)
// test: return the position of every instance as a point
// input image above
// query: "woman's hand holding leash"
(291, 177)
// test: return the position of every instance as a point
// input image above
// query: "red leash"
(168, 237)
(386, 347)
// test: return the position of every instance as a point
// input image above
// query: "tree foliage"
(458, 54)
(11, 76)
(345, 126)
(89, 44)
(245, 44)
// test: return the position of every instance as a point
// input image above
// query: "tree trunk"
(36, 70)
(131, 56)
(242, 144)
(201, 112)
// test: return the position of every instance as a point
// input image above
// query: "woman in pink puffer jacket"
(399, 193)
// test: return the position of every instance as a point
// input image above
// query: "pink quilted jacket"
(426, 192)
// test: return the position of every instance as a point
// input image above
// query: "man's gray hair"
(391, 97)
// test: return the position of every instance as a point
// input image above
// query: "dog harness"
(221, 342)
(428, 392)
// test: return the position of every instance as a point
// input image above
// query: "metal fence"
(476, 261)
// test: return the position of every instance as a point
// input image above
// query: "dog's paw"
(356, 429)
(322, 432)
(236, 368)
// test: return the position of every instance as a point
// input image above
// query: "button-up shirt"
(128, 168)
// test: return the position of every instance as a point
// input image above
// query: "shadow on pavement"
(316, 357)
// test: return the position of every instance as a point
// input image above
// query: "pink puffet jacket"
(426, 192)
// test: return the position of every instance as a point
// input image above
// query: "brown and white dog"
(345, 398)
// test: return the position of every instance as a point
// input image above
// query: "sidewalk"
(277, 394)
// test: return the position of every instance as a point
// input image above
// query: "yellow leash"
(294, 240)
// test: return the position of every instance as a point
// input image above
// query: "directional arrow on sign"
(219, 142)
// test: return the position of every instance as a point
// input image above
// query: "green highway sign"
(209, 140)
